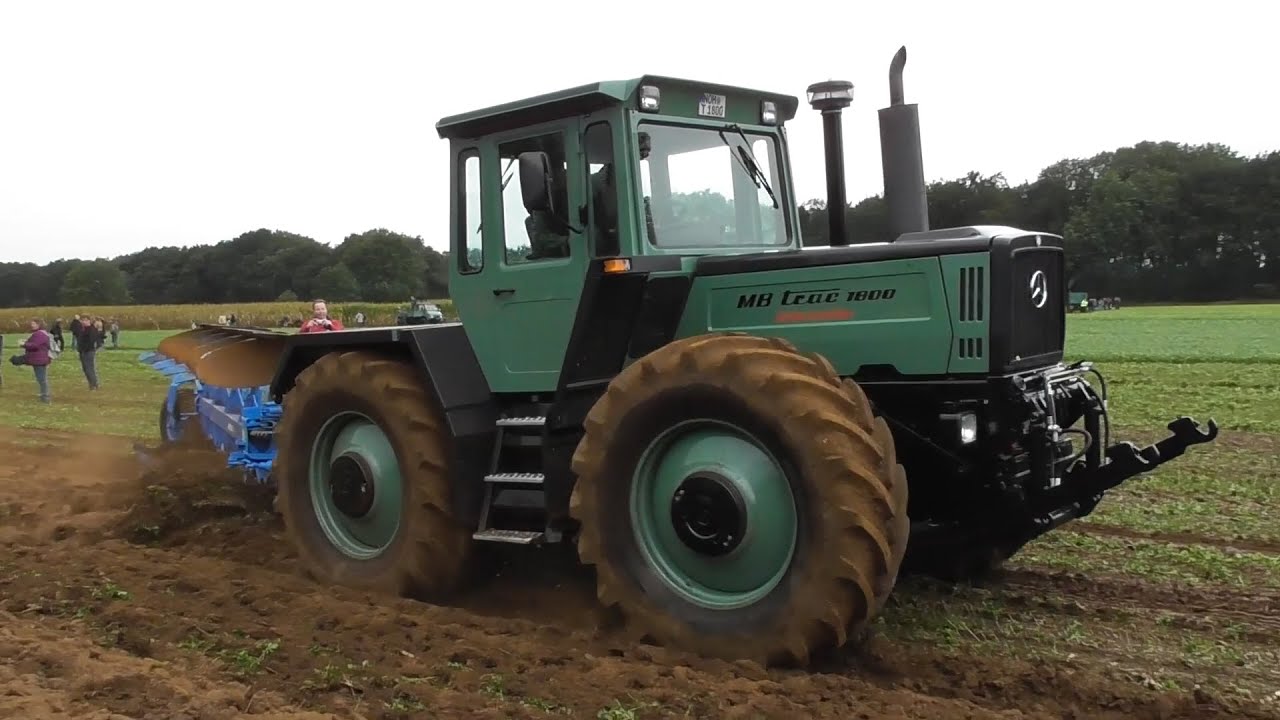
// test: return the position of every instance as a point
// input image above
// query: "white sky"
(128, 124)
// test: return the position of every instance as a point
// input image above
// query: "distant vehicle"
(1078, 302)
(420, 312)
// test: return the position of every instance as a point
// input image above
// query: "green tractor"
(746, 438)
(419, 312)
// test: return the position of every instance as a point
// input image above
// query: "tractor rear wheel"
(738, 499)
(363, 474)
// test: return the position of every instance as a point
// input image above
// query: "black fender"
(444, 356)
(621, 317)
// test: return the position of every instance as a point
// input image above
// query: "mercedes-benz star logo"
(1039, 288)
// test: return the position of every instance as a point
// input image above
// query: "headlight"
(965, 424)
(768, 113)
(650, 98)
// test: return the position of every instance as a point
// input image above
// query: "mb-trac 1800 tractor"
(650, 365)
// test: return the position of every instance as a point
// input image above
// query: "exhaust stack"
(831, 98)
(901, 156)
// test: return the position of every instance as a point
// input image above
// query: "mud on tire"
(427, 556)
(849, 530)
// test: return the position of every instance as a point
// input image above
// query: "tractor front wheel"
(738, 499)
(363, 478)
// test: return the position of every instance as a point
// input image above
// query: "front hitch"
(1086, 483)
(1125, 460)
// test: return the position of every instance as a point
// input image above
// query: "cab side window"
(539, 235)
(603, 190)
(470, 252)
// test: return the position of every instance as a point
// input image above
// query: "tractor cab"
(653, 171)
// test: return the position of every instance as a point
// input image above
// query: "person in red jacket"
(320, 320)
(37, 356)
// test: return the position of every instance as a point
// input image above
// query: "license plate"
(710, 105)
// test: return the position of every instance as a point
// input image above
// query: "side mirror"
(535, 181)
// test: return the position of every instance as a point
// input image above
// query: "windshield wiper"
(749, 163)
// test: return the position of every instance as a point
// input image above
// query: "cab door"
(522, 302)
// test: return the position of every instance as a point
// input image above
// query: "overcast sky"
(129, 124)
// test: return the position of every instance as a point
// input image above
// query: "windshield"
(701, 190)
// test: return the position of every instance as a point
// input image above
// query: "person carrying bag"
(38, 352)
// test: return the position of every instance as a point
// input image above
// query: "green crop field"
(1222, 360)
(127, 404)
(1172, 584)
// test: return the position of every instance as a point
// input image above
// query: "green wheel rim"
(767, 519)
(360, 514)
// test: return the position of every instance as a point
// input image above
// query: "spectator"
(115, 333)
(37, 356)
(320, 320)
(90, 340)
(75, 327)
(360, 318)
(57, 334)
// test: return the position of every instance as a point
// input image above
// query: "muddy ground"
(169, 593)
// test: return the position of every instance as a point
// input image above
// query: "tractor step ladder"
(498, 479)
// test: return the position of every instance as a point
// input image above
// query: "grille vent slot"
(972, 287)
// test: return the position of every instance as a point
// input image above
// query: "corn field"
(173, 317)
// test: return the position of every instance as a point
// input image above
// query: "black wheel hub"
(351, 485)
(709, 514)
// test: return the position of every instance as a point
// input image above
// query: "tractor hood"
(930, 243)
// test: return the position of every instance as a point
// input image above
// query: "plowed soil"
(168, 591)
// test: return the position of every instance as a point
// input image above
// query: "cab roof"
(590, 98)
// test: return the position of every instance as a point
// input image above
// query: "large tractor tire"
(739, 500)
(363, 475)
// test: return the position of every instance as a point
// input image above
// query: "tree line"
(259, 266)
(1155, 222)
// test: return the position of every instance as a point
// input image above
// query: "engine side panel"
(888, 314)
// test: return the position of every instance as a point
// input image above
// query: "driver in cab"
(548, 236)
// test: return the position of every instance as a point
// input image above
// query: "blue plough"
(239, 422)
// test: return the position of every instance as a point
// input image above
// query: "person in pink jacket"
(37, 356)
